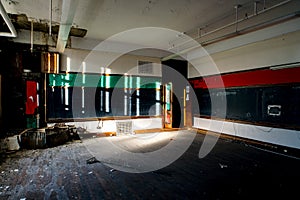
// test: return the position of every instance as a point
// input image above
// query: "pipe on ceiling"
(50, 17)
(31, 36)
(13, 32)
(66, 21)
(231, 35)
(237, 21)
(221, 28)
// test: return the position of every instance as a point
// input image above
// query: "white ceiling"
(104, 18)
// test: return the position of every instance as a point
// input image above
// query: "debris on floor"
(62, 172)
(41, 138)
(92, 160)
(49, 137)
(223, 166)
(81, 130)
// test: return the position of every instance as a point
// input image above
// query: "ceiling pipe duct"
(13, 32)
(285, 66)
(31, 37)
(241, 32)
(66, 21)
(255, 27)
(237, 16)
(234, 23)
(255, 7)
(50, 17)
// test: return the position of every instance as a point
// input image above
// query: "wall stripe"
(249, 78)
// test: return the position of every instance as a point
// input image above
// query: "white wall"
(128, 64)
(278, 136)
(110, 125)
(96, 60)
(278, 50)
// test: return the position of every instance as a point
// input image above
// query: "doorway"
(177, 112)
(175, 94)
(167, 99)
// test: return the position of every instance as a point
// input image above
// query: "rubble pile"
(53, 136)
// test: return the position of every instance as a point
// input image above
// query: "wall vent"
(145, 67)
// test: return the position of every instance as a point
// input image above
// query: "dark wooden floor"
(232, 170)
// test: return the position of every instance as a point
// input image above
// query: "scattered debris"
(92, 160)
(111, 173)
(223, 166)
(13, 143)
(81, 130)
(52, 136)
(75, 173)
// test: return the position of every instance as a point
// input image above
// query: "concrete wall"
(94, 61)
(278, 50)
(72, 59)
(110, 125)
(278, 136)
(265, 53)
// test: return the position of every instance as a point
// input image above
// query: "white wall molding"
(278, 136)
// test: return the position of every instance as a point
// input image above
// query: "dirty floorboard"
(232, 170)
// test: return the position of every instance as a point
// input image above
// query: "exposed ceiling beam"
(13, 32)
(66, 21)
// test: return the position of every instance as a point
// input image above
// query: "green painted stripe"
(95, 80)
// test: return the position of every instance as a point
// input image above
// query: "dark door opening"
(174, 76)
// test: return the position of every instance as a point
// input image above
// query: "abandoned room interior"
(149, 99)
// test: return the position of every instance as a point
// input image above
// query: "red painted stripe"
(249, 78)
